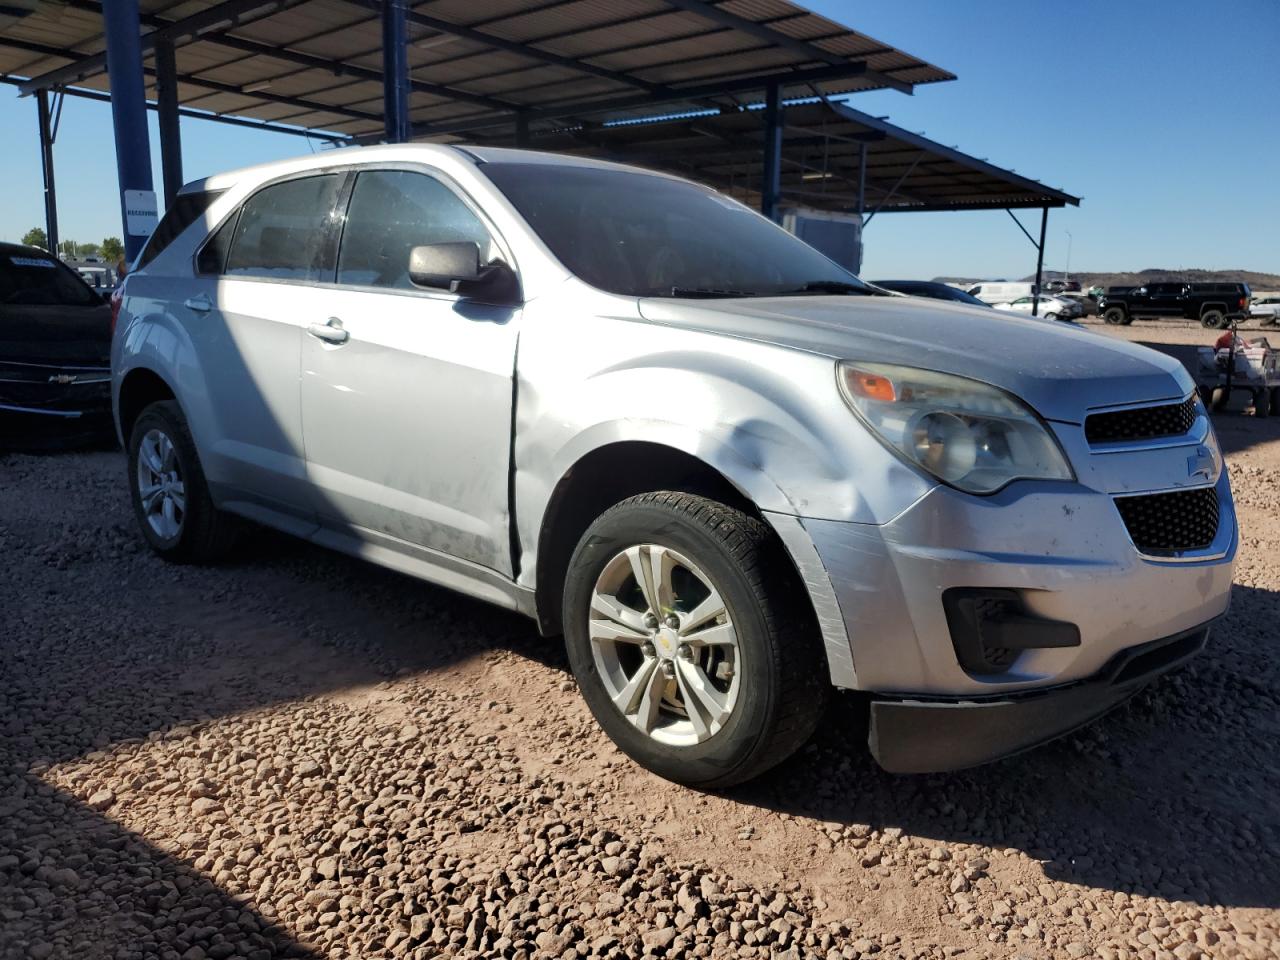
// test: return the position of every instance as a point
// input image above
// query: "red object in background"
(1224, 341)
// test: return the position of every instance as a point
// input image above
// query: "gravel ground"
(296, 754)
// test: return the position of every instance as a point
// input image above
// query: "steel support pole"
(395, 71)
(862, 180)
(129, 117)
(170, 124)
(771, 189)
(46, 167)
(1044, 225)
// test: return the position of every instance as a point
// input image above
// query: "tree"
(35, 237)
(112, 249)
(68, 248)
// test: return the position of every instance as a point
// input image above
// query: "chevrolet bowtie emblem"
(1202, 463)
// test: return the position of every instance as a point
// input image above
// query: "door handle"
(199, 304)
(330, 332)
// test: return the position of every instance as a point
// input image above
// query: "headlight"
(970, 435)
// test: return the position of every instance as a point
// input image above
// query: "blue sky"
(1163, 116)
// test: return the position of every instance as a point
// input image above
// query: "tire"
(1220, 397)
(1214, 320)
(1262, 406)
(1117, 317)
(188, 528)
(1051, 316)
(776, 687)
(1275, 401)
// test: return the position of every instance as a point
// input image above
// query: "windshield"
(644, 235)
(33, 279)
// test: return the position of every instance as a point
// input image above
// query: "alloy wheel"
(161, 489)
(664, 645)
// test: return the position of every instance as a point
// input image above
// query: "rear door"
(407, 416)
(263, 277)
(1168, 299)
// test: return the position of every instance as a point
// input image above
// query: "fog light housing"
(991, 627)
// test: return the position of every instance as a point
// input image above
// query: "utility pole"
(1068, 275)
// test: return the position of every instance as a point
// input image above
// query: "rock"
(327, 867)
(40, 950)
(203, 806)
(102, 800)
(658, 939)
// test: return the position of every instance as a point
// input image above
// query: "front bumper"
(40, 401)
(936, 735)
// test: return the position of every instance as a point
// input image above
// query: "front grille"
(1143, 423)
(1169, 522)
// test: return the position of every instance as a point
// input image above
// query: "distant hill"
(1255, 280)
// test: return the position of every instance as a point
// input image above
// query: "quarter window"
(186, 208)
(282, 232)
(393, 211)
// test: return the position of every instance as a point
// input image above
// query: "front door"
(407, 393)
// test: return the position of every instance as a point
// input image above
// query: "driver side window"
(393, 211)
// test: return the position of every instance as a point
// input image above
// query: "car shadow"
(1160, 792)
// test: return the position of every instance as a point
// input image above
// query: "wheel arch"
(139, 388)
(607, 475)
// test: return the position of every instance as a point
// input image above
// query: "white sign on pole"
(140, 215)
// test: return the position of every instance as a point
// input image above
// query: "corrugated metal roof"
(313, 63)
(821, 156)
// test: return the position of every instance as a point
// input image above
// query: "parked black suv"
(1213, 304)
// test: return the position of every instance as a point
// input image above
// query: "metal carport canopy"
(823, 149)
(318, 64)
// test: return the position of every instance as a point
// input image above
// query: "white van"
(1001, 291)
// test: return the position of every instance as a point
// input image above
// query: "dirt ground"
(297, 754)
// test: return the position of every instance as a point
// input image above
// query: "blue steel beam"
(771, 189)
(129, 116)
(395, 72)
(46, 168)
(201, 115)
(170, 123)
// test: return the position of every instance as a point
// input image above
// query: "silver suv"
(729, 472)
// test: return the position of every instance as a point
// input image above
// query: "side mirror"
(456, 267)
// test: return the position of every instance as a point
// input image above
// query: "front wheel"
(691, 641)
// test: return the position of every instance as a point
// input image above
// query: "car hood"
(56, 334)
(1060, 372)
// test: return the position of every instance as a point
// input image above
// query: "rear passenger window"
(393, 211)
(282, 232)
(186, 208)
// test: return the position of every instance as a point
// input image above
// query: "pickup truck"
(1215, 305)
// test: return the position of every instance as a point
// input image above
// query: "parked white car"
(1001, 291)
(1267, 309)
(729, 472)
(1051, 308)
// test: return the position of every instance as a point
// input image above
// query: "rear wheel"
(1116, 316)
(1214, 320)
(1275, 401)
(1262, 402)
(691, 641)
(1220, 397)
(170, 496)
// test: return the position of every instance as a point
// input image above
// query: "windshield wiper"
(707, 293)
(829, 286)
